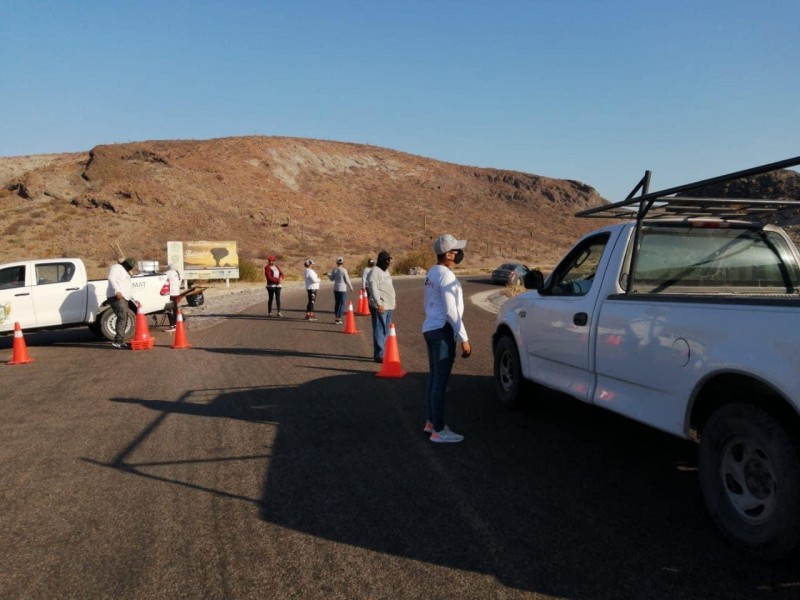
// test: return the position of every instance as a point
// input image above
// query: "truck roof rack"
(670, 204)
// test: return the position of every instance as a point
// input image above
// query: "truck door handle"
(23, 294)
(580, 319)
(72, 289)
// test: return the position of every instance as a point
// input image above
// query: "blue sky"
(596, 91)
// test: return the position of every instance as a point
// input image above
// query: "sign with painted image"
(204, 259)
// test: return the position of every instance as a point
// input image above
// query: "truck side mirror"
(534, 280)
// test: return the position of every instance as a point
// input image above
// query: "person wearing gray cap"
(442, 328)
(341, 283)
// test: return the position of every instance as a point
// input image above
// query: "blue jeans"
(380, 329)
(441, 355)
(338, 303)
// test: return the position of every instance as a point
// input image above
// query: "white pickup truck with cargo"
(684, 317)
(54, 293)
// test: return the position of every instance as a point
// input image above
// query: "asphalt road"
(268, 461)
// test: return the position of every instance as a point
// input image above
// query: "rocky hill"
(274, 195)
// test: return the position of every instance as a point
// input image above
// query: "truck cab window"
(575, 275)
(54, 273)
(12, 277)
(681, 259)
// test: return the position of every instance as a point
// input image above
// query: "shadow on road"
(559, 499)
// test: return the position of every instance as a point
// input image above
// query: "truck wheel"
(108, 324)
(508, 378)
(750, 477)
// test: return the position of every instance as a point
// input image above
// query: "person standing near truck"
(442, 328)
(274, 277)
(120, 292)
(174, 281)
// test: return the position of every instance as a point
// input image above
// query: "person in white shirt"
(312, 286)
(119, 293)
(442, 328)
(174, 281)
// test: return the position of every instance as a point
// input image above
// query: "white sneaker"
(445, 436)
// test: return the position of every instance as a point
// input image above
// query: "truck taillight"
(165, 289)
(710, 224)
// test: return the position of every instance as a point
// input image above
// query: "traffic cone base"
(350, 321)
(391, 358)
(20, 350)
(142, 340)
(180, 334)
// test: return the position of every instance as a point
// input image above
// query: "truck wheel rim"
(747, 477)
(507, 372)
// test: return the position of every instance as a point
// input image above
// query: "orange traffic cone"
(363, 303)
(180, 334)
(350, 320)
(142, 340)
(391, 357)
(20, 354)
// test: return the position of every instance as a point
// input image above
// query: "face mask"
(459, 256)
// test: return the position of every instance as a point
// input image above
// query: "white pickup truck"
(54, 293)
(685, 317)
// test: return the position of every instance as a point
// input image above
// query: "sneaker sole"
(444, 441)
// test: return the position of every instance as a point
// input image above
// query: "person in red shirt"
(274, 277)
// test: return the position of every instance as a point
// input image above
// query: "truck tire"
(510, 384)
(108, 324)
(750, 477)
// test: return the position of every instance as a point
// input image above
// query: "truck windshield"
(717, 260)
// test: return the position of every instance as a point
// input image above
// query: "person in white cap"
(442, 328)
(341, 283)
(312, 286)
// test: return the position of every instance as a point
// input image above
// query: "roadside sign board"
(204, 259)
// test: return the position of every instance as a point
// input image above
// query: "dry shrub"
(249, 270)
(419, 258)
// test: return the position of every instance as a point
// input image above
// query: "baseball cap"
(271, 258)
(445, 243)
(339, 260)
(309, 262)
(128, 263)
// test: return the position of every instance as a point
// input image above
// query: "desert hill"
(295, 198)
